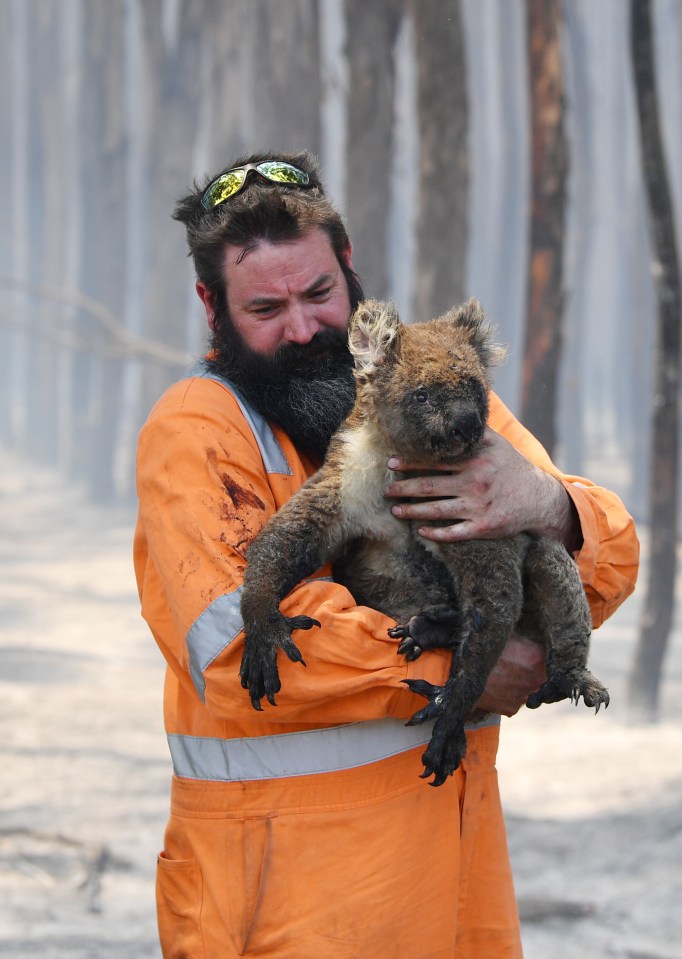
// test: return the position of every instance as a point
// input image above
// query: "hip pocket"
(179, 892)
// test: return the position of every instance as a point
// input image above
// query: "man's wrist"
(560, 519)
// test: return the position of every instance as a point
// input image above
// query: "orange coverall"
(304, 831)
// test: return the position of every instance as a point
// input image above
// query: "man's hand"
(519, 672)
(495, 494)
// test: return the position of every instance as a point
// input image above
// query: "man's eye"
(322, 293)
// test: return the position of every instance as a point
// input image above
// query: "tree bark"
(645, 674)
(41, 362)
(371, 34)
(8, 103)
(442, 220)
(172, 53)
(284, 75)
(97, 394)
(549, 166)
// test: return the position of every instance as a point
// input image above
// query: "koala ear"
(481, 334)
(374, 334)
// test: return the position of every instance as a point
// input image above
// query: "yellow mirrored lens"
(224, 187)
(282, 172)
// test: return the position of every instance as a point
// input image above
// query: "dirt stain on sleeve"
(238, 494)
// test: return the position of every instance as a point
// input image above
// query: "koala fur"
(422, 393)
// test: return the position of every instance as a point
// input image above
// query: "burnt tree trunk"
(172, 54)
(549, 166)
(9, 43)
(97, 400)
(645, 675)
(284, 76)
(41, 361)
(442, 218)
(371, 34)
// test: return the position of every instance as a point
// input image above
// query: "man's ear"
(346, 256)
(374, 334)
(208, 299)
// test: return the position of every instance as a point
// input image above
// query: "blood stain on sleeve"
(240, 496)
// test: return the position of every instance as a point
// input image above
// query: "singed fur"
(422, 392)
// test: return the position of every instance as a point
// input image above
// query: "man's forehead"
(313, 240)
(304, 257)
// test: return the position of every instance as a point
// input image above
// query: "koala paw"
(571, 686)
(444, 752)
(435, 696)
(448, 743)
(258, 671)
(434, 629)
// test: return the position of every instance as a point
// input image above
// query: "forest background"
(487, 148)
(476, 147)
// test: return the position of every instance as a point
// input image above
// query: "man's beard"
(306, 389)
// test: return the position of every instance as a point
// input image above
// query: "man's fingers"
(450, 508)
(421, 486)
(450, 534)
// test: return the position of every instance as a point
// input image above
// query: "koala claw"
(288, 645)
(432, 629)
(443, 754)
(559, 686)
(433, 708)
(261, 678)
(258, 670)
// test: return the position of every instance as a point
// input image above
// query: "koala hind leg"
(557, 614)
(488, 577)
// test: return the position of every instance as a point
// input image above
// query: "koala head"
(425, 385)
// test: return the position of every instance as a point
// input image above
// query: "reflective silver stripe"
(273, 455)
(297, 754)
(214, 630)
(211, 633)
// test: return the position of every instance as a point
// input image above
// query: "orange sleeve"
(204, 494)
(609, 557)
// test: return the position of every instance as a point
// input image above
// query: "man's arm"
(204, 495)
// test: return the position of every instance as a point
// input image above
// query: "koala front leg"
(294, 543)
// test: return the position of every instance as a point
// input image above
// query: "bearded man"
(305, 831)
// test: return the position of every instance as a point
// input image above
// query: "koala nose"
(466, 426)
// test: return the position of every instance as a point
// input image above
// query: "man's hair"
(260, 212)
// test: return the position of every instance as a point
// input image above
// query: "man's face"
(285, 292)
(282, 340)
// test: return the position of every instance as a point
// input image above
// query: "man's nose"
(300, 327)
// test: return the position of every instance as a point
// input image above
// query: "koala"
(421, 392)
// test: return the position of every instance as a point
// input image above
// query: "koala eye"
(421, 396)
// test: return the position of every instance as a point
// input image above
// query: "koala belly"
(400, 578)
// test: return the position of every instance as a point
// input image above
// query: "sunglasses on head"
(230, 183)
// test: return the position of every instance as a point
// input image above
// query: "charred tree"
(371, 35)
(549, 167)
(98, 371)
(442, 219)
(282, 84)
(172, 48)
(39, 436)
(645, 674)
(8, 151)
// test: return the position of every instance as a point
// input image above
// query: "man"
(304, 830)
